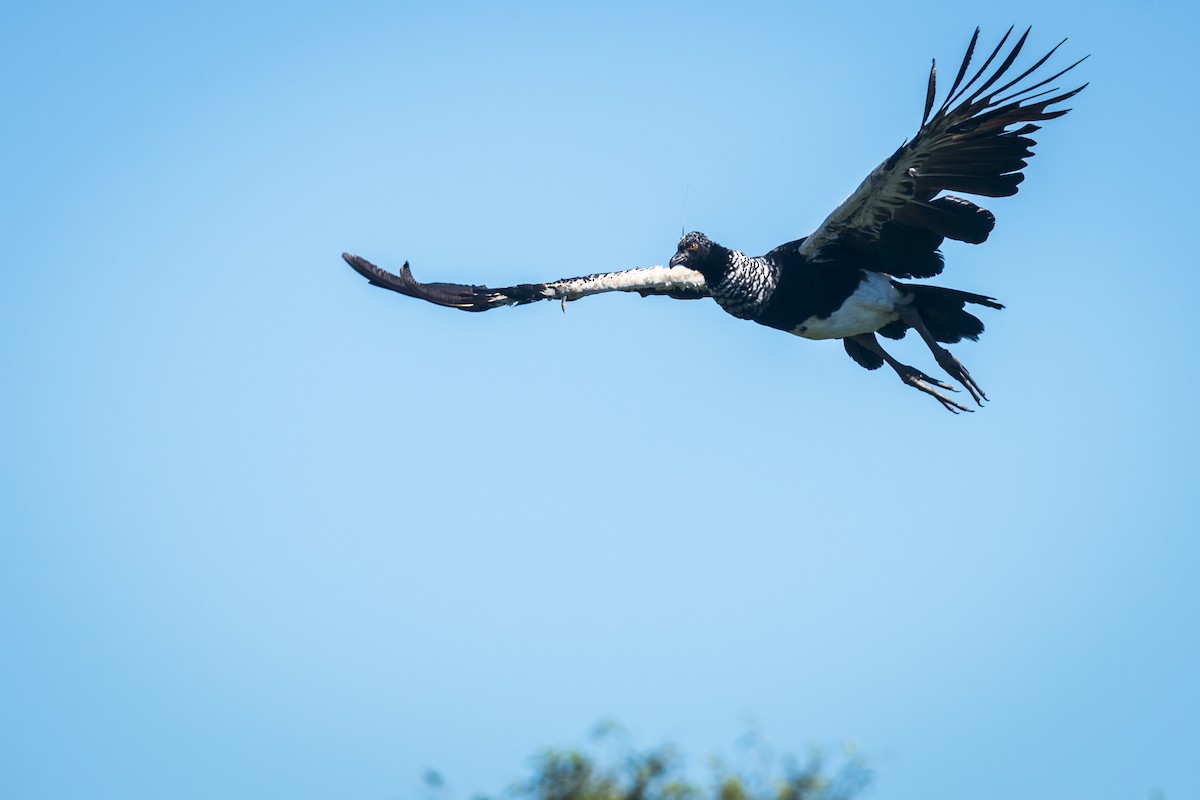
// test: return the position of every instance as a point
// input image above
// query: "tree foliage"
(660, 774)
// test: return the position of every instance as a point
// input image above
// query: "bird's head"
(696, 251)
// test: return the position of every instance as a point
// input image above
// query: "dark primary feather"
(967, 145)
(451, 295)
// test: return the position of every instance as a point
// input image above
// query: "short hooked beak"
(676, 260)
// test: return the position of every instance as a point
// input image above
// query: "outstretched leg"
(952, 365)
(911, 375)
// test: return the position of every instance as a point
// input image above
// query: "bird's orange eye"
(692, 247)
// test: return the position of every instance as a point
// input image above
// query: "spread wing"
(896, 217)
(678, 282)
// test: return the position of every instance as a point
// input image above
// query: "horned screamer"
(843, 281)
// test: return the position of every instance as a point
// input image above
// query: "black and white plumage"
(844, 280)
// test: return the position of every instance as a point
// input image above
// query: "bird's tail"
(944, 312)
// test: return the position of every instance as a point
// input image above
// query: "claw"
(919, 380)
(940, 384)
(958, 372)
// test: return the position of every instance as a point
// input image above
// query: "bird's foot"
(958, 372)
(919, 380)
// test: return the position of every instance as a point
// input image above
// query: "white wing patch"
(874, 202)
(630, 280)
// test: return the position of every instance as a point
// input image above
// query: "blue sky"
(269, 531)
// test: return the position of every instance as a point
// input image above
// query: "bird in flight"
(843, 281)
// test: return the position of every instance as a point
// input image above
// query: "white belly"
(872, 306)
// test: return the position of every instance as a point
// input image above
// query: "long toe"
(919, 380)
(955, 369)
(933, 381)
